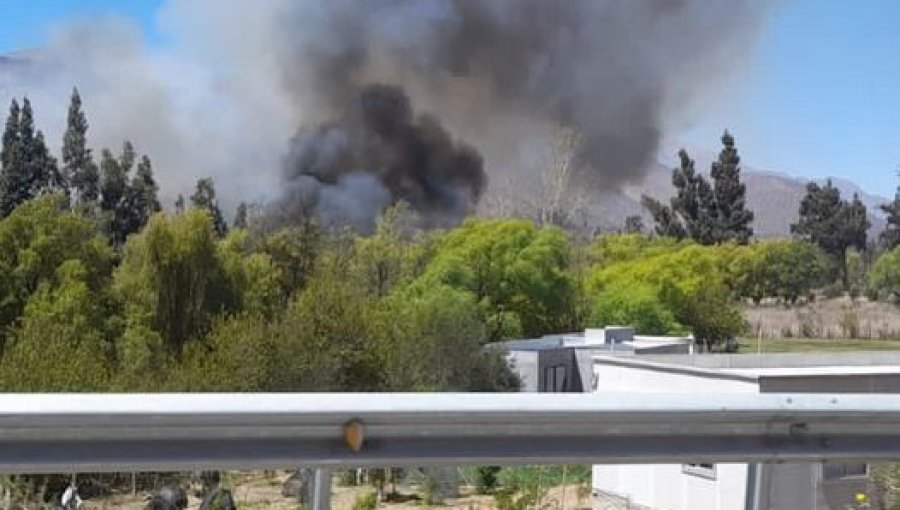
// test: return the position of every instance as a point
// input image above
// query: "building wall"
(619, 375)
(525, 364)
(668, 486)
(771, 486)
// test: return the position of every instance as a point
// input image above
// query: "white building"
(562, 363)
(739, 486)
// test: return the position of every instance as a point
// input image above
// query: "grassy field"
(750, 345)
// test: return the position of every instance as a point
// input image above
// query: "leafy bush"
(637, 306)
(368, 501)
(486, 478)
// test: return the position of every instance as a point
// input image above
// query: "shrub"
(486, 479)
(368, 501)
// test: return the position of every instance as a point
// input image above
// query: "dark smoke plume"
(378, 154)
(604, 68)
(235, 79)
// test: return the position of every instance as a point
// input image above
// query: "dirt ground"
(256, 491)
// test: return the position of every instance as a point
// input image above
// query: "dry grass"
(772, 345)
(840, 318)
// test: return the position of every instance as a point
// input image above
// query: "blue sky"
(820, 96)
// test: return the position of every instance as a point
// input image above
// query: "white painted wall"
(666, 486)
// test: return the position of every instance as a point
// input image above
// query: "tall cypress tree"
(114, 193)
(78, 163)
(833, 224)
(11, 164)
(890, 236)
(732, 218)
(28, 168)
(204, 197)
(240, 216)
(141, 198)
(691, 212)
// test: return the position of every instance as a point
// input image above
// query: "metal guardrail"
(41, 433)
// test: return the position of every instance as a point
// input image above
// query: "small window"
(702, 470)
(838, 470)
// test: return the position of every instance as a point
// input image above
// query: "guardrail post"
(321, 489)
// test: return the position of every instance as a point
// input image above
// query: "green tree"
(692, 210)
(732, 218)
(294, 251)
(778, 268)
(516, 271)
(884, 277)
(113, 188)
(12, 157)
(393, 255)
(890, 236)
(35, 241)
(434, 343)
(689, 280)
(831, 223)
(638, 306)
(171, 279)
(634, 225)
(28, 168)
(59, 343)
(78, 163)
(240, 216)
(140, 201)
(204, 198)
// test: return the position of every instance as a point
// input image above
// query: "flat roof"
(678, 364)
(812, 371)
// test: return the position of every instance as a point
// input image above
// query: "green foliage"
(779, 268)
(833, 224)
(515, 271)
(293, 251)
(36, 240)
(707, 214)
(171, 278)
(393, 256)
(433, 342)
(890, 236)
(78, 163)
(58, 345)
(27, 169)
(691, 212)
(368, 501)
(486, 478)
(884, 277)
(732, 218)
(687, 282)
(240, 216)
(204, 198)
(638, 306)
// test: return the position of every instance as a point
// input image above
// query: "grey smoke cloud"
(237, 78)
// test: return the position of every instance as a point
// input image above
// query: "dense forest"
(103, 289)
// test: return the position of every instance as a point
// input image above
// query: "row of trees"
(100, 290)
(181, 308)
(711, 213)
(115, 194)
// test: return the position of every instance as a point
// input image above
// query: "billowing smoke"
(378, 153)
(238, 79)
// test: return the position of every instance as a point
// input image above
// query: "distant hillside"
(773, 197)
